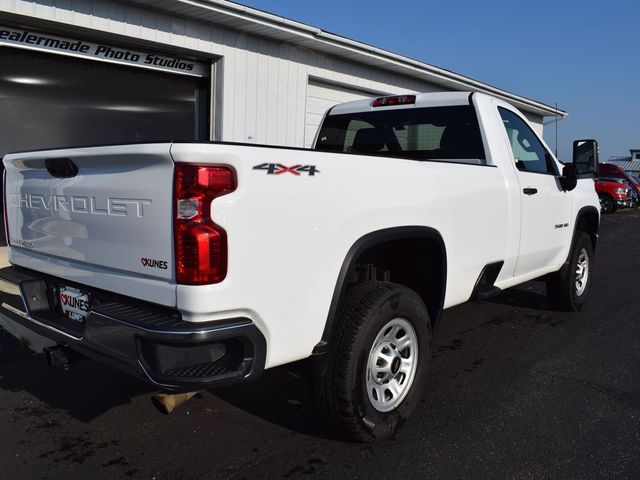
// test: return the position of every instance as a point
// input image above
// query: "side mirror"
(569, 178)
(585, 157)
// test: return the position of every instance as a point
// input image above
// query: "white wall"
(536, 121)
(265, 81)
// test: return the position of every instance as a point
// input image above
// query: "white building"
(78, 72)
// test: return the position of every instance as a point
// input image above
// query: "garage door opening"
(51, 101)
(322, 96)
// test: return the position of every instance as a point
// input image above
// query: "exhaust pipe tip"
(167, 402)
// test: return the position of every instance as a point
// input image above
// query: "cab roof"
(422, 100)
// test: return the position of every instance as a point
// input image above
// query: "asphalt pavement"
(516, 391)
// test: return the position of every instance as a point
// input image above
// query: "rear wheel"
(568, 289)
(378, 359)
(606, 204)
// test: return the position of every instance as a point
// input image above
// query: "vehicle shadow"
(89, 389)
(282, 396)
(529, 295)
(85, 391)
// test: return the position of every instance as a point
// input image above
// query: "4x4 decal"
(279, 169)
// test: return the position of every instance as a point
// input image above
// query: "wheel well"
(414, 262)
(589, 222)
(412, 256)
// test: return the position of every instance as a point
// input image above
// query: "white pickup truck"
(198, 265)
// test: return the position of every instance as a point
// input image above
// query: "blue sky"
(585, 56)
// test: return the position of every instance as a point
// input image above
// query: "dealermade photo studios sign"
(96, 51)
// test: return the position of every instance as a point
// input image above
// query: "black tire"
(607, 205)
(342, 392)
(563, 291)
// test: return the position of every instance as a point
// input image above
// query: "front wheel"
(606, 204)
(568, 289)
(377, 361)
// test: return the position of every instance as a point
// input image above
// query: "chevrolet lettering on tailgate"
(121, 207)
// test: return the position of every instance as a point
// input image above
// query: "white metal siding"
(536, 122)
(264, 81)
(320, 98)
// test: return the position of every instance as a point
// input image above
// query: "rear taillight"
(4, 206)
(200, 244)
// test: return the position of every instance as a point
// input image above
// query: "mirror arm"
(569, 179)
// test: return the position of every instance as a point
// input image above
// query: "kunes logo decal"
(152, 263)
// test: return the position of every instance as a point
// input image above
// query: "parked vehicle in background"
(614, 171)
(635, 198)
(613, 194)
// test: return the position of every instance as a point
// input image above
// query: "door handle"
(529, 191)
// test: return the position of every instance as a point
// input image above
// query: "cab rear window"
(435, 133)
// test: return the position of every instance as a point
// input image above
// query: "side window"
(528, 151)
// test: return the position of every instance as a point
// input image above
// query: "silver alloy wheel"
(392, 365)
(582, 272)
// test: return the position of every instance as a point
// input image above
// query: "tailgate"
(114, 213)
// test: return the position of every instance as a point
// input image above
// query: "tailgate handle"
(61, 167)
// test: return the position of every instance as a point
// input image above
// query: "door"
(546, 223)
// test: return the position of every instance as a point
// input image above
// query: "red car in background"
(614, 171)
(615, 194)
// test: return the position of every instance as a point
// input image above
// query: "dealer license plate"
(74, 303)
